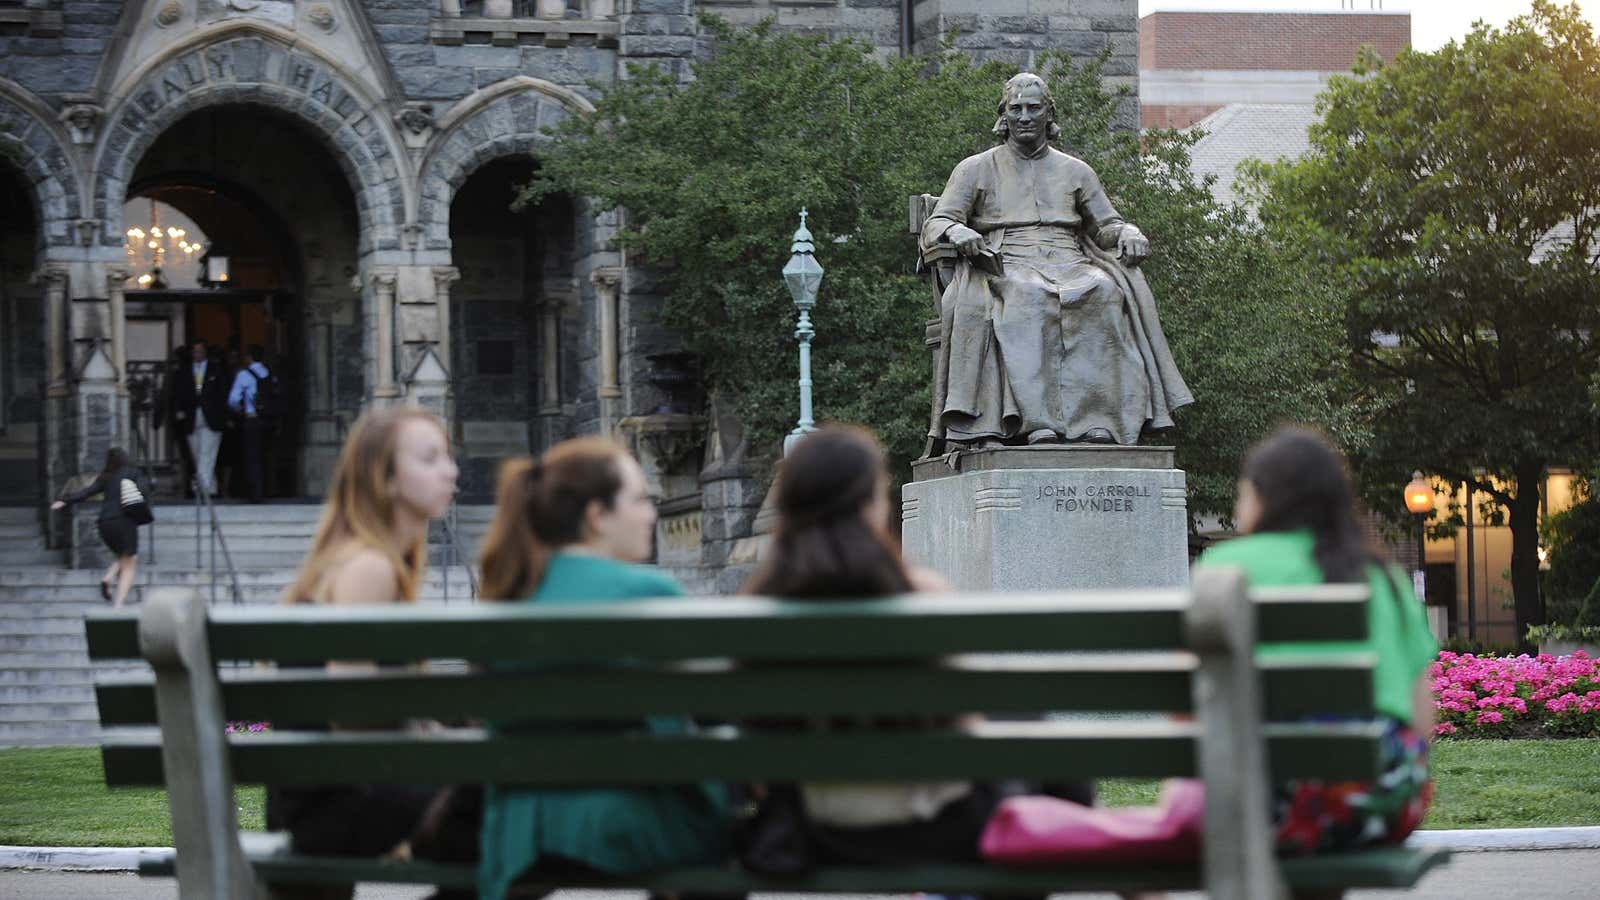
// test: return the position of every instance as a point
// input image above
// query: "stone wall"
(1018, 31)
(875, 22)
(53, 65)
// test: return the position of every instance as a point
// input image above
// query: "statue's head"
(1024, 103)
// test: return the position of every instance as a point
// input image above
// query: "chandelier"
(150, 247)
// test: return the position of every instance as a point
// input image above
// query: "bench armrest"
(194, 748)
(1221, 628)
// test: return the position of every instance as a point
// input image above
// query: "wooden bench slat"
(749, 628)
(1386, 867)
(1034, 750)
(1145, 682)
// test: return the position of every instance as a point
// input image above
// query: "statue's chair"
(939, 262)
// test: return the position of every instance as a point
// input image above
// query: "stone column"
(116, 296)
(97, 411)
(607, 288)
(54, 279)
(443, 277)
(384, 390)
(550, 358)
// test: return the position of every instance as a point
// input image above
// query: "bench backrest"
(1013, 656)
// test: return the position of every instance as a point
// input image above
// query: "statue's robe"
(1064, 338)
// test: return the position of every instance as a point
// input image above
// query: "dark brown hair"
(540, 506)
(824, 547)
(1302, 483)
(116, 461)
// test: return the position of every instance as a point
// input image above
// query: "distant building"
(1193, 63)
(1250, 80)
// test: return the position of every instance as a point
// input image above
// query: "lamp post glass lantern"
(1419, 501)
(803, 276)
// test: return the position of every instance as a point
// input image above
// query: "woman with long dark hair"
(1297, 509)
(123, 489)
(832, 542)
(573, 526)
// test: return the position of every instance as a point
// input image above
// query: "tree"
(1456, 193)
(1573, 539)
(713, 171)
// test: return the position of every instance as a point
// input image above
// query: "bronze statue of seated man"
(1049, 331)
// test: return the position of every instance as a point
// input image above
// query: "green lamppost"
(803, 276)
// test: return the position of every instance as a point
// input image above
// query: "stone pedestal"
(1070, 517)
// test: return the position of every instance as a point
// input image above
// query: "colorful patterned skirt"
(1311, 816)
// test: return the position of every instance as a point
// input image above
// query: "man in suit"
(169, 411)
(202, 412)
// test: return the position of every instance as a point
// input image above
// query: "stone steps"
(43, 643)
(46, 678)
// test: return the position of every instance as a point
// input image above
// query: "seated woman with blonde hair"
(394, 475)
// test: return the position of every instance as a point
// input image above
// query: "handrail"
(452, 553)
(203, 499)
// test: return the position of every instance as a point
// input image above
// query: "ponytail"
(540, 506)
(512, 560)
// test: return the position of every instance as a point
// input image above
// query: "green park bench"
(1016, 658)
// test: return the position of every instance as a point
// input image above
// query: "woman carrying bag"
(124, 508)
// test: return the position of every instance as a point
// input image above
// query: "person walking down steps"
(123, 509)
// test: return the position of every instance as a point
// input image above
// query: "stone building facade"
(356, 158)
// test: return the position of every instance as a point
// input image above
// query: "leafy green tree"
(1456, 194)
(713, 171)
(1573, 539)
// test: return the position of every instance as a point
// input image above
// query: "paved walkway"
(1534, 875)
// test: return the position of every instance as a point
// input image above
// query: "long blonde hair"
(540, 507)
(359, 511)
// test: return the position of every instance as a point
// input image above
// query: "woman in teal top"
(1296, 507)
(570, 528)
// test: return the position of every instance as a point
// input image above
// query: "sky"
(1433, 22)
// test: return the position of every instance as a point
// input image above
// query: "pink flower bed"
(249, 727)
(1516, 696)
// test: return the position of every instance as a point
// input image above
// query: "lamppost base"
(794, 437)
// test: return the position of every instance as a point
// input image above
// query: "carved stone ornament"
(321, 16)
(416, 124)
(169, 14)
(88, 230)
(669, 442)
(81, 118)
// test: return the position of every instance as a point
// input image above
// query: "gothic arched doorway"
(264, 191)
(22, 345)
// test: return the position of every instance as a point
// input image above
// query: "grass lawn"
(1480, 784)
(57, 796)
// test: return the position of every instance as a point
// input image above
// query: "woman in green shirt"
(571, 527)
(1297, 510)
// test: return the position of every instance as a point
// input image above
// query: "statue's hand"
(1132, 246)
(967, 241)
